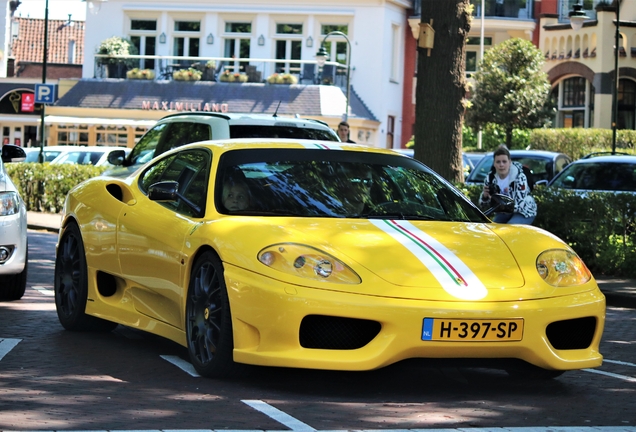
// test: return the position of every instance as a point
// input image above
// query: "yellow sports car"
(319, 255)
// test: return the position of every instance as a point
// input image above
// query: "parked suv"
(179, 129)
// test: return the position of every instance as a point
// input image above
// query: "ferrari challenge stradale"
(310, 254)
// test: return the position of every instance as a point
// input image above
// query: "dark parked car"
(468, 159)
(606, 173)
(544, 165)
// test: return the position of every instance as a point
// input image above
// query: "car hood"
(408, 259)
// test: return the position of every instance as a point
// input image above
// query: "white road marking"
(609, 374)
(7, 345)
(619, 362)
(279, 416)
(493, 429)
(181, 364)
(44, 290)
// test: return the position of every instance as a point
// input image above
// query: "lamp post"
(321, 58)
(46, 49)
(577, 16)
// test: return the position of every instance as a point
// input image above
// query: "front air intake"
(337, 333)
(571, 334)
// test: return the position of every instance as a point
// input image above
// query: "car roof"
(241, 118)
(263, 143)
(522, 153)
(608, 159)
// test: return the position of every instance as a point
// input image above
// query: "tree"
(441, 88)
(511, 89)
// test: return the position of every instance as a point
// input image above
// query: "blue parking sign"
(45, 93)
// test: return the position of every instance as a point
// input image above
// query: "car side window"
(191, 170)
(181, 133)
(144, 150)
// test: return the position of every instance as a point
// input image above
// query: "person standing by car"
(507, 178)
(343, 132)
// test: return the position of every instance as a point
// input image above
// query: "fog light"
(4, 254)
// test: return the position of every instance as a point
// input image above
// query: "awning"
(49, 120)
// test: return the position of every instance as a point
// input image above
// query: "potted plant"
(189, 74)
(136, 73)
(117, 46)
(227, 76)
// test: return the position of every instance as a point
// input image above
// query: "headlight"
(562, 268)
(9, 203)
(307, 262)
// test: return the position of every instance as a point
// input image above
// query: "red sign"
(28, 102)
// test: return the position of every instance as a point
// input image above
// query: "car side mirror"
(164, 191)
(13, 153)
(116, 157)
(502, 203)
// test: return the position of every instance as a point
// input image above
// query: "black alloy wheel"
(71, 285)
(208, 319)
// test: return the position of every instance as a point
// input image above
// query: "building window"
(626, 104)
(72, 135)
(143, 36)
(395, 52)
(325, 29)
(112, 136)
(187, 39)
(471, 61)
(575, 101)
(574, 92)
(477, 41)
(390, 131)
(288, 47)
(237, 43)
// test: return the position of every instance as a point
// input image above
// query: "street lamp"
(577, 16)
(321, 58)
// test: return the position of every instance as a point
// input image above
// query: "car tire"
(71, 285)
(209, 321)
(14, 286)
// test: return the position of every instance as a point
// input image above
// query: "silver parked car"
(13, 230)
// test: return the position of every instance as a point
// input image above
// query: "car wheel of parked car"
(71, 285)
(208, 319)
(13, 286)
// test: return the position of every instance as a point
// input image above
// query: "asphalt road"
(52, 379)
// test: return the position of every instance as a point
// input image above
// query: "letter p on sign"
(45, 93)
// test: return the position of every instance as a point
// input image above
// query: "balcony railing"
(520, 9)
(213, 68)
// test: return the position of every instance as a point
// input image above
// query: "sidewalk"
(619, 292)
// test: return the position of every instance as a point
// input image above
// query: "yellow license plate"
(439, 329)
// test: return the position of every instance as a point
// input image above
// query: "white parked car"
(13, 230)
(50, 153)
(92, 155)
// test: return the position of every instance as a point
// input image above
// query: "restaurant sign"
(184, 106)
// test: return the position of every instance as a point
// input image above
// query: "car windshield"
(598, 176)
(34, 155)
(80, 157)
(343, 184)
(295, 132)
(539, 166)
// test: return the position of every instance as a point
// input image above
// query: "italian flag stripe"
(443, 263)
(453, 275)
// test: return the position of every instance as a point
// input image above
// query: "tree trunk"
(441, 88)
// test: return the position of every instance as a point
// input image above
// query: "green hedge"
(576, 142)
(44, 186)
(601, 227)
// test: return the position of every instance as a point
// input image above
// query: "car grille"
(571, 334)
(336, 333)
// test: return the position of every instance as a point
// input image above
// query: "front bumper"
(13, 237)
(267, 316)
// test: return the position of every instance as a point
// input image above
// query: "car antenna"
(276, 112)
